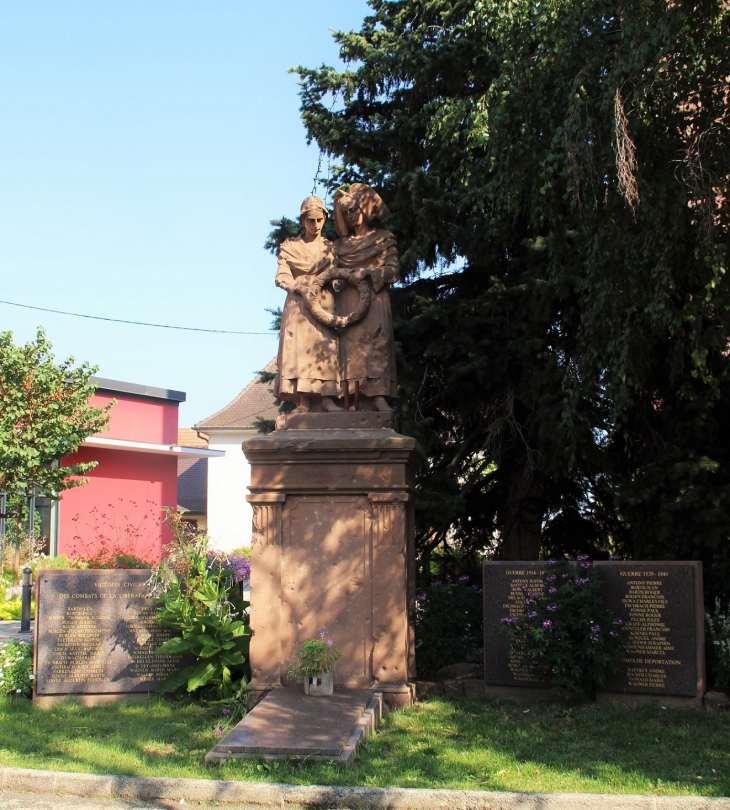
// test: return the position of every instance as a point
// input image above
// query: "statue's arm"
(387, 273)
(284, 277)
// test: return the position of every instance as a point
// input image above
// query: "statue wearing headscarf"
(367, 250)
(308, 359)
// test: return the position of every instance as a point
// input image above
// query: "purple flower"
(586, 565)
(321, 635)
(552, 561)
(582, 557)
(330, 642)
(552, 607)
(614, 557)
(226, 711)
(564, 576)
(581, 581)
(613, 634)
(552, 590)
(595, 629)
(547, 624)
(421, 597)
(551, 578)
(617, 622)
(532, 614)
(463, 579)
(450, 592)
(509, 620)
(436, 583)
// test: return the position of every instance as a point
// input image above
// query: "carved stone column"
(391, 626)
(265, 650)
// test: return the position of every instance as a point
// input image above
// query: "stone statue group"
(336, 345)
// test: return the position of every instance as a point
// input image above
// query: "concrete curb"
(267, 795)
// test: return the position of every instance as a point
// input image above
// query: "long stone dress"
(307, 360)
(367, 351)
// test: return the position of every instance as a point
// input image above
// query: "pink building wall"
(139, 420)
(121, 505)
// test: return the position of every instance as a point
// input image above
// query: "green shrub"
(198, 596)
(565, 634)
(449, 623)
(717, 625)
(16, 668)
(11, 610)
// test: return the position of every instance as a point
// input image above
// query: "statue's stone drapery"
(307, 361)
(366, 249)
(322, 345)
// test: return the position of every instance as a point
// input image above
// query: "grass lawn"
(467, 743)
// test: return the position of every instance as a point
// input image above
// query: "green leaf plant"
(200, 598)
(314, 656)
(565, 635)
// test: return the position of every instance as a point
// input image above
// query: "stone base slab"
(337, 420)
(287, 724)
(50, 701)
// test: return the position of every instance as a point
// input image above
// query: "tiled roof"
(256, 399)
(188, 437)
(192, 485)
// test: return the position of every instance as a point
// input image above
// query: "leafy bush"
(11, 610)
(565, 633)
(717, 624)
(449, 623)
(238, 565)
(16, 668)
(59, 562)
(199, 596)
(314, 656)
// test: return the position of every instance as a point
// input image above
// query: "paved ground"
(26, 789)
(10, 630)
(25, 801)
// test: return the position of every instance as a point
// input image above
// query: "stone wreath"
(311, 299)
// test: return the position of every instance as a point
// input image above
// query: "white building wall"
(229, 513)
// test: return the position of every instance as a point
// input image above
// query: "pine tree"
(558, 176)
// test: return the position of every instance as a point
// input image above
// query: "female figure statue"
(307, 361)
(367, 251)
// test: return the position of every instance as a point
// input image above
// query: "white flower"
(18, 691)
(31, 677)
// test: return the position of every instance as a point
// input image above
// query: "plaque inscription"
(660, 604)
(506, 585)
(96, 634)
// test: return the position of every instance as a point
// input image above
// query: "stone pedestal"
(333, 549)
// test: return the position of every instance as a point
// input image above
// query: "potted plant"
(316, 660)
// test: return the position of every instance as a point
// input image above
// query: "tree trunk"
(523, 519)
(16, 555)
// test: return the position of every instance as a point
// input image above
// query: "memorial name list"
(96, 634)
(659, 603)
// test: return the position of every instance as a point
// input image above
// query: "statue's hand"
(360, 274)
(301, 285)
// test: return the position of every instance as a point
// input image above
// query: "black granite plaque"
(661, 605)
(95, 634)
(502, 598)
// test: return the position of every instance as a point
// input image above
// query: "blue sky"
(144, 148)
